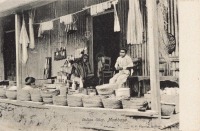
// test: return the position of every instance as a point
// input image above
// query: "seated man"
(123, 62)
(81, 70)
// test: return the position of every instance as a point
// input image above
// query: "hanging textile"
(31, 30)
(99, 8)
(116, 19)
(44, 27)
(162, 31)
(24, 40)
(67, 19)
(135, 25)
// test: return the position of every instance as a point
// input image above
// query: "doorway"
(105, 40)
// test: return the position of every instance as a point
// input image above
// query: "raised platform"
(62, 117)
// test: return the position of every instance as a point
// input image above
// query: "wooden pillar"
(18, 63)
(189, 50)
(153, 55)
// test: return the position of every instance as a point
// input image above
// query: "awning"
(8, 7)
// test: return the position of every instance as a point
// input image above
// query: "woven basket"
(75, 100)
(133, 103)
(106, 89)
(92, 101)
(60, 100)
(2, 92)
(49, 94)
(167, 109)
(35, 95)
(11, 94)
(48, 100)
(122, 92)
(112, 103)
(24, 95)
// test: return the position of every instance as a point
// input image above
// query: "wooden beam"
(153, 55)
(18, 67)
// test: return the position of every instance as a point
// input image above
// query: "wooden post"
(18, 65)
(153, 56)
(189, 50)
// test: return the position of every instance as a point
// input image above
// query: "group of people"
(81, 71)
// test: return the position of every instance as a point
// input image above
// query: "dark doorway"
(105, 40)
(9, 53)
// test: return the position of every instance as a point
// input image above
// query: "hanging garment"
(116, 19)
(99, 8)
(135, 24)
(67, 19)
(24, 40)
(31, 31)
(44, 27)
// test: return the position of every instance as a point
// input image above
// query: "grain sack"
(106, 89)
(92, 101)
(60, 100)
(11, 94)
(112, 103)
(75, 100)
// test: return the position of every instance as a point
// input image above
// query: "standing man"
(123, 62)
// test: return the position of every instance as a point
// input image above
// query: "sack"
(92, 101)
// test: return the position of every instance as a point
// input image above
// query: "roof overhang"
(8, 7)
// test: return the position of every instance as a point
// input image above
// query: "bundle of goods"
(106, 89)
(92, 101)
(75, 100)
(60, 100)
(122, 92)
(35, 95)
(11, 93)
(24, 95)
(2, 92)
(132, 103)
(47, 95)
(112, 103)
(167, 109)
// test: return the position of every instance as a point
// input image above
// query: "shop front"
(64, 52)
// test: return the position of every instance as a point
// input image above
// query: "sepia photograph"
(99, 65)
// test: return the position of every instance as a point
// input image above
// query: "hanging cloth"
(116, 19)
(99, 8)
(67, 19)
(31, 31)
(135, 25)
(44, 27)
(24, 40)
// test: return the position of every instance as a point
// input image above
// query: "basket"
(35, 95)
(92, 101)
(24, 95)
(49, 94)
(75, 100)
(11, 94)
(112, 103)
(106, 89)
(122, 92)
(2, 92)
(167, 109)
(60, 100)
(133, 103)
(47, 100)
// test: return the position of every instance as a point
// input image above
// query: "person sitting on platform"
(123, 62)
(82, 70)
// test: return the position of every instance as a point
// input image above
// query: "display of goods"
(47, 100)
(167, 109)
(112, 103)
(49, 94)
(92, 101)
(132, 103)
(24, 95)
(122, 92)
(63, 91)
(35, 95)
(75, 100)
(2, 92)
(11, 94)
(60, 100)
(106, 89)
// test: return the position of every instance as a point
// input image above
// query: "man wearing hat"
(123, 62)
